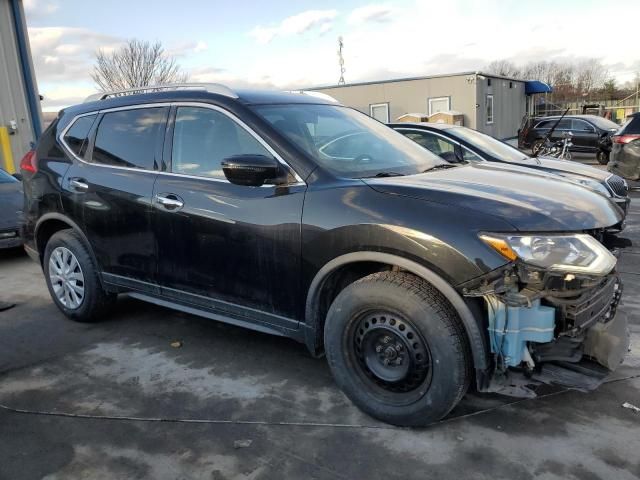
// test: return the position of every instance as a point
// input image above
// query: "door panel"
(222, 241)
(584, 135)
(234, 243)
(111, 190)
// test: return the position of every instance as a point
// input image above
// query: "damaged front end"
(551, 313)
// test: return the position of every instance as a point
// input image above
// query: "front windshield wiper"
(386, 174)
(441, 166)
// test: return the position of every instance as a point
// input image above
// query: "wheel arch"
(51, 223)
(314, 316)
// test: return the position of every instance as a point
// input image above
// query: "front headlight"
(592, 184)
(578, 253)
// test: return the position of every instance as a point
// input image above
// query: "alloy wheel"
(66, 277)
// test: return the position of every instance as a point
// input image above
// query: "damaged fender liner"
(564, 329)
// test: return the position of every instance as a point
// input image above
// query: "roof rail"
(312, 93)
(207, 87)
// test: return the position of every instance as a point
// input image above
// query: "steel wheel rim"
(391, 356)
(66, 278)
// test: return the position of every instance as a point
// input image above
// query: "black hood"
(11, 200)
(527, 199)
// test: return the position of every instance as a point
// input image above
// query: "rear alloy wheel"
(66, 277)
(397, 349)
(537, 146)
(72, 278)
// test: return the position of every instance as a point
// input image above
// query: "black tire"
(95, 303)
(536, 146)
(602, 157)
(421, 315)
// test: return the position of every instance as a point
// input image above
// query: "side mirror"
(250, 170)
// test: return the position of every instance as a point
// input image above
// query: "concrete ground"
(117, 400)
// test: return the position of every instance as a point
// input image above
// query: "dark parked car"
(404, 270)
(589, 132)
(625, 151)
(460, 144)
(11, 200)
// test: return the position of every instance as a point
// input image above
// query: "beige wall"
(409, 96)
(465, 91)
(509, 104)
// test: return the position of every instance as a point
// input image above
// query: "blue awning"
(535, 86)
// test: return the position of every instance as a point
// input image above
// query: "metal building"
(20, 113)
(491, 104)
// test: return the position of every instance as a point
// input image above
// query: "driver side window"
(203, 138)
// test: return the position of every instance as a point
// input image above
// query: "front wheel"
(397, 349)
(537, 146)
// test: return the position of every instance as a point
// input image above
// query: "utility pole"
(341, 60)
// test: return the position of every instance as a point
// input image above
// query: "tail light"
(29, 162)
(624, 139)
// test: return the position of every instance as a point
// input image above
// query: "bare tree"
(504, 68)
(590, 75)
(138, 63)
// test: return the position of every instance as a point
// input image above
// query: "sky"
(288, 44)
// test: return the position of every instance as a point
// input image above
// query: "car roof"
(584, 117)
(246, 97)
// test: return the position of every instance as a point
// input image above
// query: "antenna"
(341, 60)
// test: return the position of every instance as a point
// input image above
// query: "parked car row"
(415, 271)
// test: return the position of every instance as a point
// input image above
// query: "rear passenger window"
(76, 136)
(130, 138)
(204, 137)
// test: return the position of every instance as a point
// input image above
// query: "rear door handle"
(79, 184)
(169, 201)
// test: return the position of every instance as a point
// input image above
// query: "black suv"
(413, 276)
(625, 151)
(590, 133)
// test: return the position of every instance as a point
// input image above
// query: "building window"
(489, 106)
(439, 104)
(380, 111)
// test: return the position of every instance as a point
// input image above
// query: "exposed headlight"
(578, 253)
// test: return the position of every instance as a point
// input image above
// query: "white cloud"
(38, 8)
(295, 25)
(201, 46)
(371, 13)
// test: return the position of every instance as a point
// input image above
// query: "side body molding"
(313, 324)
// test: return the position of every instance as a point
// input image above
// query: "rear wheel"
(72, 278)
(397, 349)
(602, 157)
(537, 146)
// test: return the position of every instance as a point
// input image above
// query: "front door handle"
(79, 184)
(169, 201)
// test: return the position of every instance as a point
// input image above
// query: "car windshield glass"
(489, 145)
(6, 178)
(348, 142)
(603, 123)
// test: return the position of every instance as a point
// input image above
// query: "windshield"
(348, 142)
(6, 178)
(488, 144)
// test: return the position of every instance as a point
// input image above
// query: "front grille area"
(596, 305)
(618, 185)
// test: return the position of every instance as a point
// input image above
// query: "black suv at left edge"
(413, 276)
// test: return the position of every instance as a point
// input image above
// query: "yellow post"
(5, 146)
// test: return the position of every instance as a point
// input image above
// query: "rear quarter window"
(76, 137)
